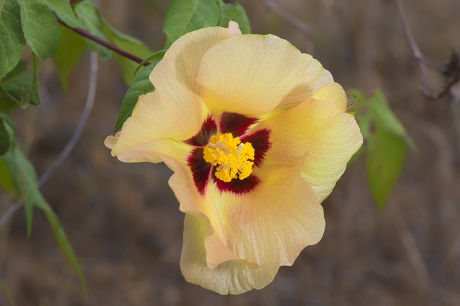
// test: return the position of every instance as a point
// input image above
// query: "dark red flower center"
(237, 125)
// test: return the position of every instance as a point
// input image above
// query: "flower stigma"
(231, 158)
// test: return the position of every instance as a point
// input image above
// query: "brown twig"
(104, 43)
(301, 26)
(454, 75)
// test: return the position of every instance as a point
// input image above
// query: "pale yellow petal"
(174, 77)
(231, 277)
(217, 252)
(315, 78)
(149, 133)
(252, 74)
(275, 221)
(265, 229)
(329, 151)
(181, 183)
(319, 128)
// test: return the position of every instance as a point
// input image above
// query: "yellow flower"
(257, 136)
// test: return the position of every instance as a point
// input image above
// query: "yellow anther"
(232, 158)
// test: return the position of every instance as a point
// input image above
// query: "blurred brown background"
(123, 220)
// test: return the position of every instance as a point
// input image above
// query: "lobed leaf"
(41, 29)
(11, 37)
(184, 16)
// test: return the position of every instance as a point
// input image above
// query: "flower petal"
(265, 229)
(252, 74)
(237, 186)
(320, 128)
(234, 123)
(231, 277)
(200, 169)
(149, 132)
(174, 77)
(208, 129)
(329, 151)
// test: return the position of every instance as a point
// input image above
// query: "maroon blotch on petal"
(208, 129)
(237, 186)
(235, 123)
(200, 169)
(260, 141)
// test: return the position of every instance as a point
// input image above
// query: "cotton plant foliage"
(257, 135)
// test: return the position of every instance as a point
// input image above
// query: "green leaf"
(235, 12)
(26, 184)
(6, 179)
(70, 51)
(40, 27)
(21, 87)
(4, 138)
(6, 104)
(11, 37)
(152, 58)
(91, 22)
(129, 44)
(64, 10)
(385, 156)
(34, 95)
(66, 247)
(184, 16)
(385, 142)
(16, 86)
(141, 86)
(384, 117)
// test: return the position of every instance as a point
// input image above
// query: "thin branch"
(81, 124)
(90, 98)
(9, 212)
(422, 61)
(104, 43)
(301, 26)
(407, 29)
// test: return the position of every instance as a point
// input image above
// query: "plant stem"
(104, 43)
